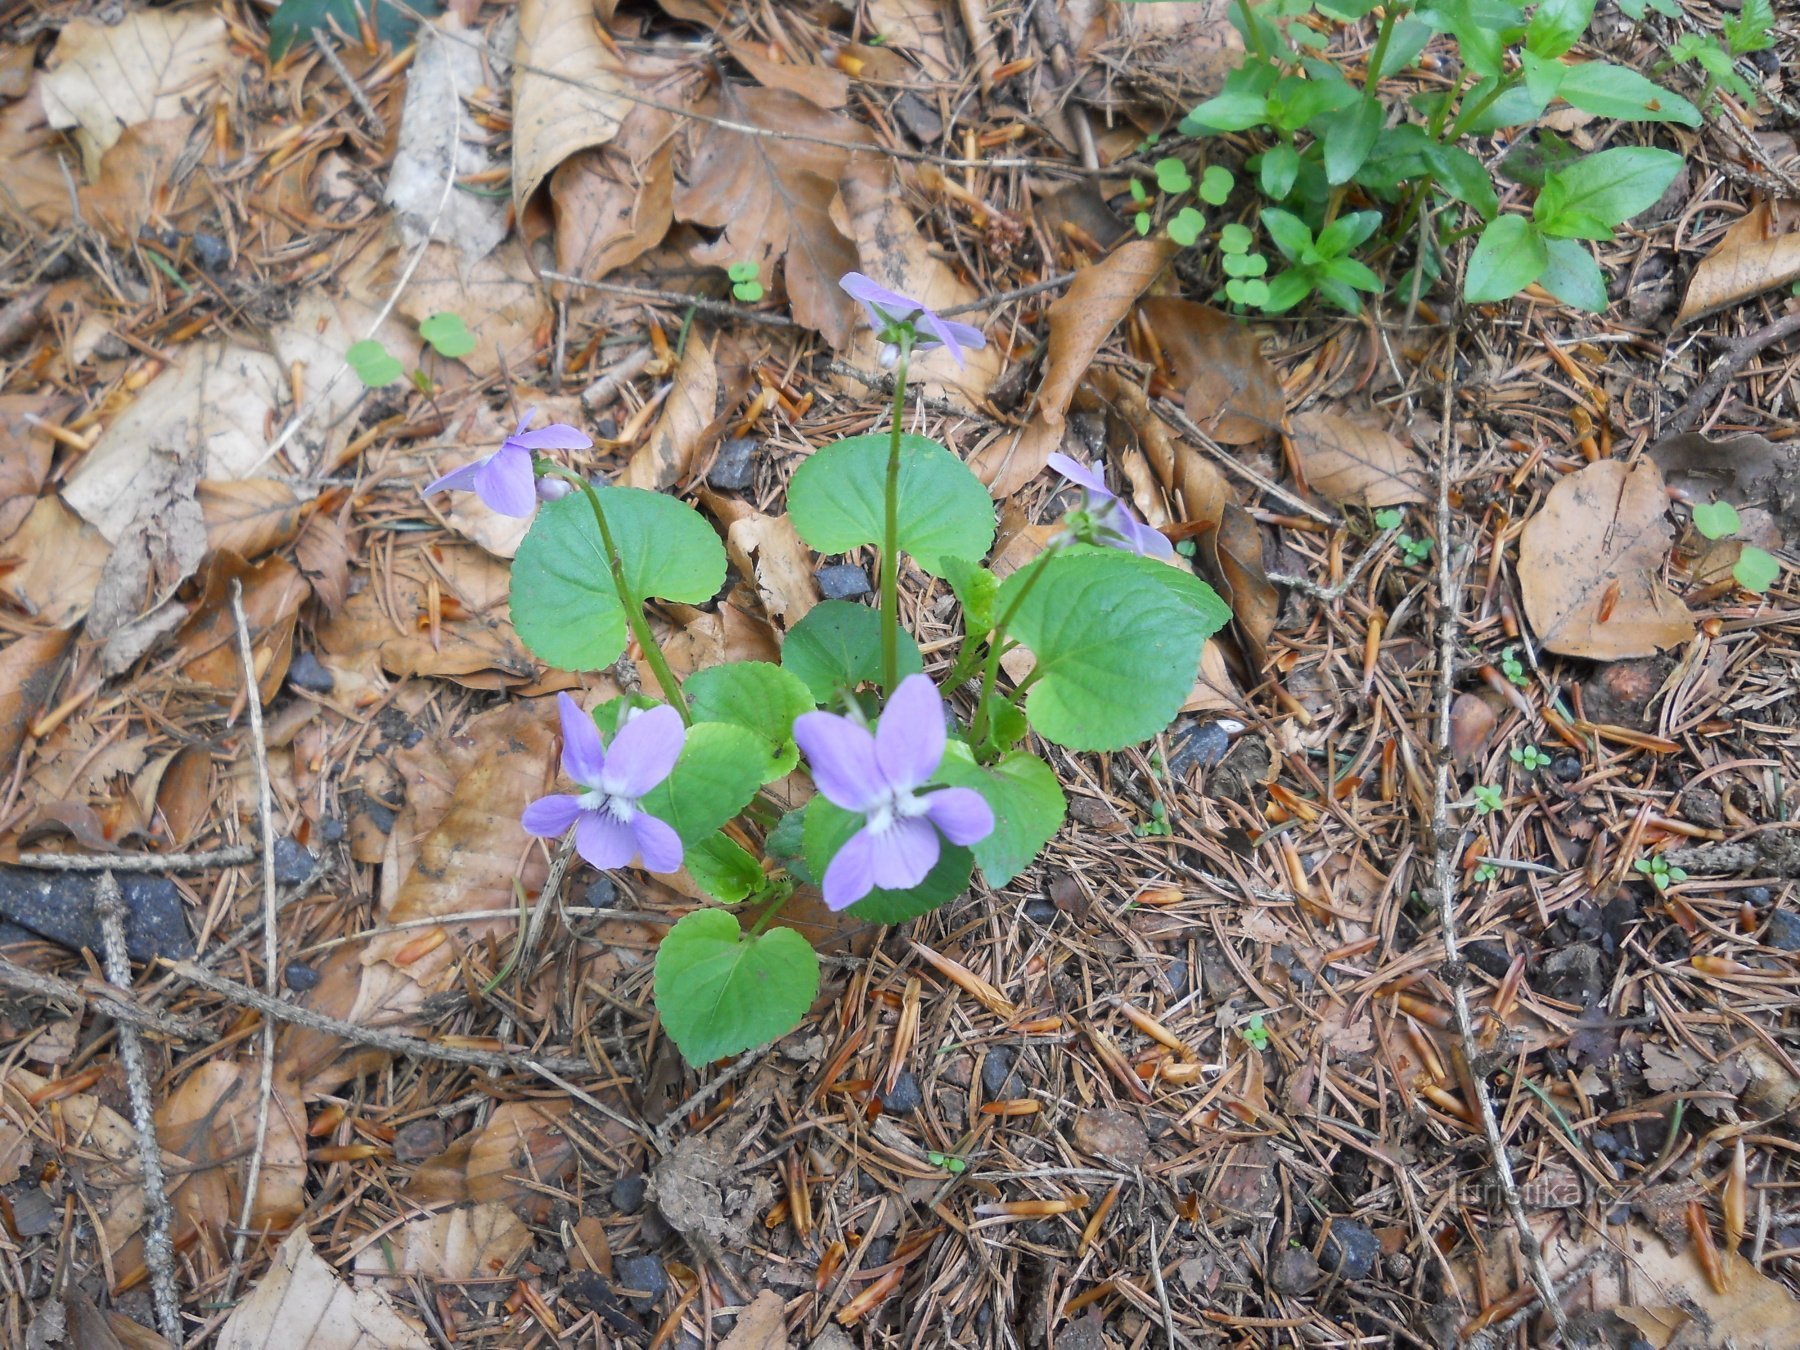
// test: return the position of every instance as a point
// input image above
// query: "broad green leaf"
(294, 20)
(563, 602)
(837, 647)
(1536, 156)
(1512, 108)
(1613, 91)
(1463, 177)
(1345, 233)
(1240, 105)
(1509, 256)
(723, 868)
(1573, 276)
(975, 588)
(719, 992)
(608, 715)
(1282, 292)
(1280, 166)
(1294, 102)
(1349, 136)
(720, 769)
(448, 334)
(1117, 642)
(1755, 570)
(1028, 807)
(827, 828)
(1288, 231)
(1557, 25)
(373, 363)
(836, 500)
(1610, 187)
(1404, 45)
(756, 695)
(1543, 76)
(1717, 520)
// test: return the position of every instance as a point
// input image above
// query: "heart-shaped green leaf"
(448, 335)
(1717, 520)
(720, 768)
(837, 647)
(1755, 569)
(756, 695)
(723, 868)
(1027, 802)
(837, 500)
(719, 992)
(563, 602)
(373, 363)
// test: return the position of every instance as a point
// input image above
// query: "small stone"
(601, 892)
(380, 814)
(1177, 977)
(1041, 909)
(60, 906)
(735, 466)
(1397, 1267)
(1198, 747)
(211, 252)
(1567, 768)
(997, 1078)
(293, 862)
(305, 672)
(33, 1214)
(628, 1193)
(331, 829)
(589, 1290)
(418, 1140)
(1489, 958)
(299, 976)
(1294, 1272)
(1783, 932)
(842, 581)
(642, 1280)
(1351, 1250)
(919, 118)
(1117, 1136)
(1758, 896)
(904, 1097)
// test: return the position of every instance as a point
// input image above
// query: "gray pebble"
(644, 1278)
(601, 892)
(299, 976)
(628, 1193)
(1198, 747)
(735, 467)
(1351, 1250)
(1041, 909)
(293, 862)
(842, 581)
(60, 906)
(997, 1078)
(904, 1097)
(305, 672)
(1783, 932)
(418, 1140)
(211, 252)
(331, 829)
(919, 118)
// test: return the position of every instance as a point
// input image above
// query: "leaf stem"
(890, 536)
(1379, 57)
(775, 907)
(990, 668)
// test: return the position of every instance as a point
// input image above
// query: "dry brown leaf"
(147, 175)
(522, 1147)
(920, 29)
(761, 1326)
(1597, 547)
(682, 430)
(1229, 557)
(15, 1152)
(36, 182)
(480, 1242)
(768, 548)
(210, 1120)
(27, 459)
(1230, 389)
(437, 141)
(1750, 472)
(1198, 489)
(499, 298)
(273, 591)
(251, 517)
(51, 566)
(614, 203)
(324, 552)
(184, 794)
(1354, 461)
(819, 85)
(1754, 256)
(1081, 320)
(568, 91)
(102, 79)
(313, 340)
(771, 200)
(300, 1301)
(28, 672)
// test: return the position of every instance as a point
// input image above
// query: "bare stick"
(376, 1038)
(681, 299)
(104, 997)
(1173, 412)
(739, 1067)
(265, 810)
(1737, 353)
(1329, 594)
(230, 856)
(322, 41)
(1445, 849)
(159, 1250)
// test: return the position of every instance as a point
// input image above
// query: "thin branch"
(105, 998)
(1176, 414)
(1330, 594)
(1736, 355)
(232, 855)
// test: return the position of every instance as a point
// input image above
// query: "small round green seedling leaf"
(1117, 639)
(758, 696)
(1028, 807)
(1142, 222)
(1172, 175)
(975, 587)
(374, 365)
(826, 830)
(742, 271)
(1235, 238)
(836, 500)
(836, 648)
(719, 992)
(724, 869)
(748, 291)
(720, 768)
(1717, 520)
(563, 602)
(448, 335)
(1137, 192)
(1755, 569)
(1185, 228)
(1216, 184)
(1251, 292)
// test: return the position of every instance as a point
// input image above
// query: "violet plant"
(909, 801)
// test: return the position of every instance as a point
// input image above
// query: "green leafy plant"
(1513, 668)
(953, 1165)
(1486, 872)
(374, 365)
(1254, 1033)
(744, 283)
(1755, 569)
(1751, 29)
(1658, 873)
(1529, 757)
(445, 333)
(1488, 799)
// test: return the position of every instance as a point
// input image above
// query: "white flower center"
(891, 807)
(621, 809)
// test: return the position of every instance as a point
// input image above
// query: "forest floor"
(1212, 1071)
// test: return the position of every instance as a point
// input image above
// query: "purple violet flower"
(877, 776)
(1112, 521)
(888, 308)
(610, 828)
(504, 479)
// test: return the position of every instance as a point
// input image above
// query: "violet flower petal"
(961, 814)
(1083, 477)
(604, 840)
(643, 752)
(842, 758)
(505, 482)
(902, 855)
(1140, 538)
(550, 817)
(583, 756)
(457, 480)
(850, 876)
(882, 305)
(556, 436)
(657, 843)
(909, 738)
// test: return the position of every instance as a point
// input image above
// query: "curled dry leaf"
(819, 85)
(682, 431)
(1228, 386)
(207, 646)
(210, 1120)
(1081, 320)
(761, 1326)
(250, 517)
(1353, 461)
(1754, 256)
(522, 1147)
(28, 673)
(1229, 556)
(614, 202)
(301, 1301)
(1591, 561)
(480, 1242)
(768, 548)
(569, 90)
(53, 563)
(1748, 471)
(1198, 490)
(920, 29)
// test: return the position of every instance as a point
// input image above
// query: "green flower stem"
(1468, 115)
(1250, 32)
(1379, 55)
(633, 606)
(775, 907)
(890, 536)
(990, 668)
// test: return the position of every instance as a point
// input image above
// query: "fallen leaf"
(51, 566)
(300, 1301)
(102, 79)
(147, 175)
(183, 794)
(920, 29)
(207, 645)
(1229, 388)
(771, 200)
(480, 1242)
(249, 517)
(1747, 471)
(27, 461)
(36, 184)
(498, 298)
(1600, 543)
(210, 1120)
(1081, 320)
(160, 548)
(761, 1326)
(522, 1147)
(313, 340)
(1473, 720)
(614, 203)
(323, 552)
(1352, 461)
(1229, 556)
(768, 549)
(15, 1152)
(681, 430)
(1198, 489)
(28, 673)
(569, 90)
(1754, 256)
(819, 85)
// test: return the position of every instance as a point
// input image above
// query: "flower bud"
(890, 356)
(551, 489)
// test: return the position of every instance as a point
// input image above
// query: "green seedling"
(1529, 757)
(1658, 873)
